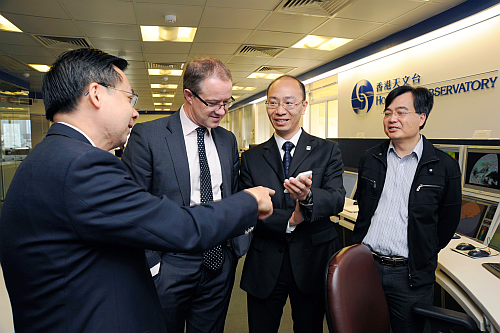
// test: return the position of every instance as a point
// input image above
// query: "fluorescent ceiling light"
(162, 103)
(264, 76)
(40, 68)
(163, 95)
(162, 109)
(244, 88)
(320, 43)
(236, 96)
(449, 29)
(171, 72)
(7, 26)
(160, 86)
(171, 34)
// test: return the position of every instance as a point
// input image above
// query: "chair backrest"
(355, 299)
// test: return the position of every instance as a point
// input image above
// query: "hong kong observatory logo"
(362, 97)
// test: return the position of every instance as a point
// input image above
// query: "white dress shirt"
(191, 142)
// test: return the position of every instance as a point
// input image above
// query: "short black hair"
(302, 86)
(423, 100)
(66, 81)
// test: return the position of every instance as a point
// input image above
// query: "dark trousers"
(191, 295)
(401, 297)
(308, 310)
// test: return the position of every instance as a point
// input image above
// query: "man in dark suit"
(290, 250)
(74, 225)
(163, 157)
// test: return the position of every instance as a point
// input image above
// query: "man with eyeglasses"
(290, 250)
(409, 195)
(74, 225)
(186, 157)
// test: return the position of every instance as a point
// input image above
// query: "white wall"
(466, 52)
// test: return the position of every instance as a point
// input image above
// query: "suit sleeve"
(235, 166)
(275, 224)
(329, 196)
(450, 208)
(137, 158)
(105, 206)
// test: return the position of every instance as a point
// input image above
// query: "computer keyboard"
(493, 267)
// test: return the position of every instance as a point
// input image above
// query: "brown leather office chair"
(355, 300)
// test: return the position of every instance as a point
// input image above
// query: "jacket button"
(281, 250)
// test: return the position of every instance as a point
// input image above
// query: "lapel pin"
(308, 147)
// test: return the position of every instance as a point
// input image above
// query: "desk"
(471, 285)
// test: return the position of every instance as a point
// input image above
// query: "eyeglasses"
(286, 105)
(399, 114)
(214, 106)
(133, 99)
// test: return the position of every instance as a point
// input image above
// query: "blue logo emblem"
(362, 97)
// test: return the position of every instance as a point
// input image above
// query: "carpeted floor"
(236, 321)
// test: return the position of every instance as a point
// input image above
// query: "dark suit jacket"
(157, 160)
(312, 243)
(73, 230)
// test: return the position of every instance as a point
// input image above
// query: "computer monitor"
(476, 218)
(481, 171)
(455, 151)
(350, 180)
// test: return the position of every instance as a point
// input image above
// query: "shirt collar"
(187, 124)
(280, 141)
(78, 130)
(417, 150)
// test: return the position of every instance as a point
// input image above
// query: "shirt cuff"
(290, 228)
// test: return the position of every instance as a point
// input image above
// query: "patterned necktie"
(212, 258)
(287, 147)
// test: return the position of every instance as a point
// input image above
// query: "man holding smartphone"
(289, 251)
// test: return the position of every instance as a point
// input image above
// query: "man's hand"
(296, 217)
(298, 190)
(263, 197)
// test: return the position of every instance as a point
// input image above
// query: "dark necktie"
(212, 258)
(287, 147)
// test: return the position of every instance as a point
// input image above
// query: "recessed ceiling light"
(167, 86)
(40, 68)
(163, 95)
(264, 76)
(172, 72)
(320, 43)
(162, 103)
(244, 88)
(162, 109)
(171, 34)
(7, 26)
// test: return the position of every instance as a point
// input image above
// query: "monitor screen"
(452, 150)
(350, 180)
(495, 239)
(476, 217)
(481, 170)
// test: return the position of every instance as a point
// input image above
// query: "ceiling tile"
(111, 11)
(116, 45)
(8, 37)
(107, 30)
(271, 38)
(168, 58)
(154, 14)
(45, 8)
(13, 49)
(131, 56)
(243, 60)
(301, 53)
(421, 13)
(220, 35)
(345, 28)
(242, 68)
(34, 58)
(253, 4)
(287, 62)
(175, 2)
(44, 26)
(222, 57)
(214, 48)
(291, 23)
(378, 10)
(232, 18)
(381, 33)
(166, 47)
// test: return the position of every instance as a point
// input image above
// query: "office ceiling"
(224, 27)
